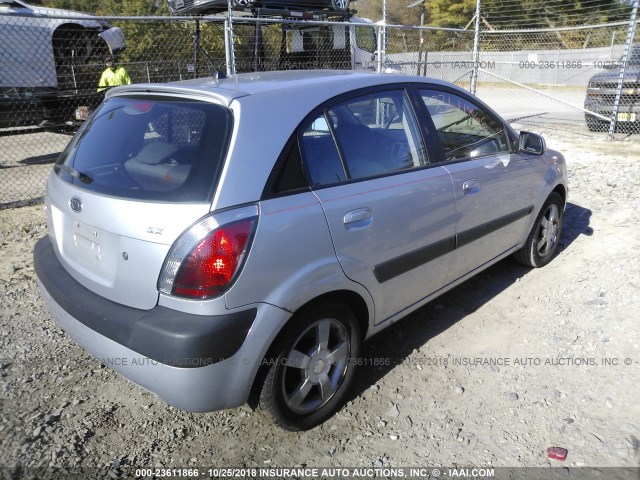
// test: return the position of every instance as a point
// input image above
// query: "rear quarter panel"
(292, 260)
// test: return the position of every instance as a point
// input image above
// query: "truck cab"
(330, 46)
(311, 34)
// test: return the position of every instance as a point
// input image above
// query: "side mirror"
(531, 143)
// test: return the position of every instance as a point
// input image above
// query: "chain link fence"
(50, 68)
(569, 78)
(564, 78)
(537, 78)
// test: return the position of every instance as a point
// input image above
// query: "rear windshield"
(159, 149)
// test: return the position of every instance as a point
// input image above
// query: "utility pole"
(625, 59)
(476, 51)
(422, 64)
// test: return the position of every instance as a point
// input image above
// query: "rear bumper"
(196, 363)
(605, 107)
(164, 335)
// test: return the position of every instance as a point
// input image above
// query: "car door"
(390, 213)
(493, 186)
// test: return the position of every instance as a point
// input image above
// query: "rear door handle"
(471, 187)
(360, 218)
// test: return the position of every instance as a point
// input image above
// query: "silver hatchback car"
(223, 241)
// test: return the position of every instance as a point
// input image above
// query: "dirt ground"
(491, 374)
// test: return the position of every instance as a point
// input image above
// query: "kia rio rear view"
(236, 240)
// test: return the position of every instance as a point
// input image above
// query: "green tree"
(500, 14)
(156, 50)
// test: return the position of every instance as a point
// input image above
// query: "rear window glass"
(163, 150)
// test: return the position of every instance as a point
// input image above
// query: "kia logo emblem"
(75, 204)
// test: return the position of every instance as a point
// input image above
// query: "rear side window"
(465, 130)
(320, 153)
(162, 150)
(375, 134)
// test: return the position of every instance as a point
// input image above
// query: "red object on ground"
(557, 453)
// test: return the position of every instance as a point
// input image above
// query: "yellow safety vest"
(111, 78)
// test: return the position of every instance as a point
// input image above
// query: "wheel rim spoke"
(340, 353)
(323, 331)
(543, 246)
(327, 388)
(299, 394)
(297, 359)
(553, 214)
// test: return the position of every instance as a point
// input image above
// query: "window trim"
(269, 191)
(332, 132)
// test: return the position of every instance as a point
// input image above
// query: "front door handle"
(360, 218)
(471, 187)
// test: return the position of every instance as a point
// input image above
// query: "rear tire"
(312, 367)
(542, 242)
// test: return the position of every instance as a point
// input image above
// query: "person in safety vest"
(113, 76)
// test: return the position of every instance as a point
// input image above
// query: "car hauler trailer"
(309, 37)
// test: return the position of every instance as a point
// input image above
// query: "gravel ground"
(491, 374)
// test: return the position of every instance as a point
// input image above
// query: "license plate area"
(86, 242)
(626, 117)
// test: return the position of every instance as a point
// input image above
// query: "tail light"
(206, 258)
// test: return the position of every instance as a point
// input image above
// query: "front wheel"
(542, 241)
(313, 367)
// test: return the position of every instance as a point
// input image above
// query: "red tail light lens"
(205, 261)
(212, 264)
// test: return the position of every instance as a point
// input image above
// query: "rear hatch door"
(136, 175)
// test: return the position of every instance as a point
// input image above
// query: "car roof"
(330, 82)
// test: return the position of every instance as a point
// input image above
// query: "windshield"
(151, 149)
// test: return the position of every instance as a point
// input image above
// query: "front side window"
(149, 149)
(368, 136)
(464, 129)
